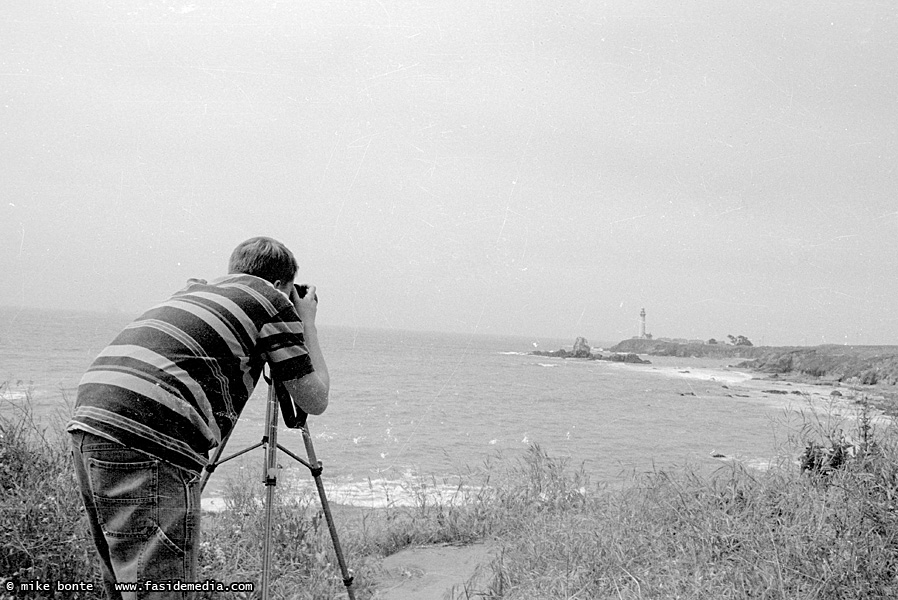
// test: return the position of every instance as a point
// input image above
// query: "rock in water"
(581, 348)
(627, 357)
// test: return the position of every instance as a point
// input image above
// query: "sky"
(493, 166)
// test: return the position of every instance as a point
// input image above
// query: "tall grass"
(303, 563)
(740, 533)
(42, 535)
(828, 532)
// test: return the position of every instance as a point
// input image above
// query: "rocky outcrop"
(686, 350)
(561, 353)
(581, 348)
(864, 365)
(627, 357)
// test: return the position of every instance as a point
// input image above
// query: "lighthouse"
(642, 324)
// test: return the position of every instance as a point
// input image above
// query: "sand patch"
(718, 375)
(212, 504)
(434, 572)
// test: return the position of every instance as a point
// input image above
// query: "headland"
(869, 370)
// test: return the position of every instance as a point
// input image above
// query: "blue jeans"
(144, 515)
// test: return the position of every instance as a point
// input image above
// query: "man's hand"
(311, 392)
(307, 306)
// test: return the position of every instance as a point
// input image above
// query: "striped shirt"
(174, 381)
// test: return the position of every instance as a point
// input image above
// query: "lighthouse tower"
(642, 324)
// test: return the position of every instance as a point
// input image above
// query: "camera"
(302, 290)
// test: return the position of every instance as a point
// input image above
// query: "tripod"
(278, 394)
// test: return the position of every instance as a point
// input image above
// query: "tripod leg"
(207, 472)
(314, 466)
(316, 474)
(269, 477)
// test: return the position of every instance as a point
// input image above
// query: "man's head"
(265, 258)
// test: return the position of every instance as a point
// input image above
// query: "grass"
(778, 534)
(41, 528)
(829, 532)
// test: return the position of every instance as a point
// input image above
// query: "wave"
(375, 493)
(386, 492)
(16, 392)
(758, 464)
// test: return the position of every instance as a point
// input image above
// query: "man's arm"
(310, 392)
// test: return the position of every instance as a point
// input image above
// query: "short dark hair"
(264, 257)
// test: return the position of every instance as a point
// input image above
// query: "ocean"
(413, 407)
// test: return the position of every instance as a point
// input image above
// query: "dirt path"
(434, 572)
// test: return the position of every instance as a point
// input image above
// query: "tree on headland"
(739, 340)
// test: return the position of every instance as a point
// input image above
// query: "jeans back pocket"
(126, 495)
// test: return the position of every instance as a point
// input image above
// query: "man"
(168, 389)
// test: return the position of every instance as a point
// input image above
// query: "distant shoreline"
(868, 370)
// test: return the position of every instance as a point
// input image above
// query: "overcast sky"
(535, 168)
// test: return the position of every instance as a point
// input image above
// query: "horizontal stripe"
(198, 351)
(93, 419)
(163, 363)
(167, 328)
(264, 302)
(293, 368)
(138, 385)
(284, 353)
(211, 319)
(250, 329)
(237, 334)
(279, 327)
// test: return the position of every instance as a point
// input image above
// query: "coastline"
(740, 382)
(688, 376)
(402, 551)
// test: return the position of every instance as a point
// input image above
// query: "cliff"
(667, 348)
(865, 365)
